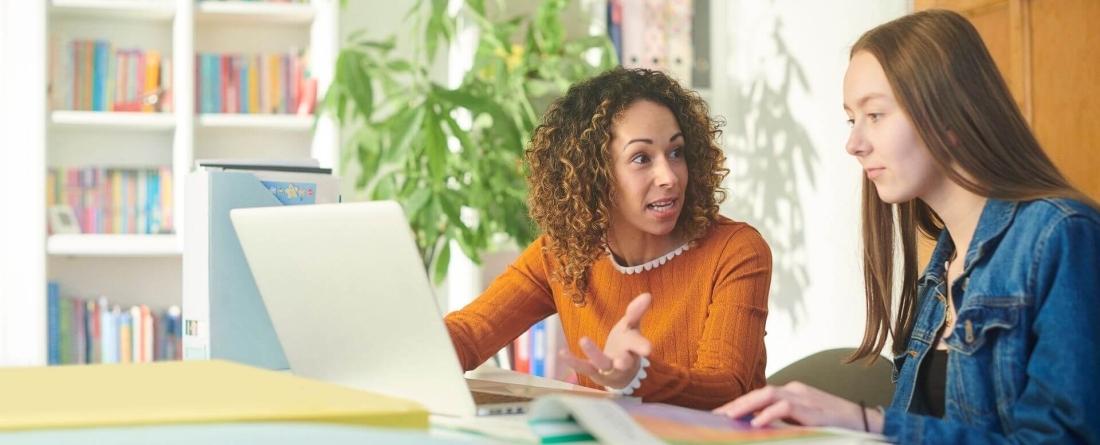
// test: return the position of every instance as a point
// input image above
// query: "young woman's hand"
(617, 364)
(799, 403)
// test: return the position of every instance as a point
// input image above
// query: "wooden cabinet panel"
(1065, 73)
(1045, 50)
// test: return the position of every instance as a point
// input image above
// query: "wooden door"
(1045, 51)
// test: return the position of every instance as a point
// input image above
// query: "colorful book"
(557, 419)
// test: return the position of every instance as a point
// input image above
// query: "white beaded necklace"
(649, 265)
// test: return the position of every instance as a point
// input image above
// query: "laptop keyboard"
(483, 398)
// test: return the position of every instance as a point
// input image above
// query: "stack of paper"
(186, 392)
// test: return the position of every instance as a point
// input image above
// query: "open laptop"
(351, 304)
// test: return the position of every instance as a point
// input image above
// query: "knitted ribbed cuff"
(637, 382)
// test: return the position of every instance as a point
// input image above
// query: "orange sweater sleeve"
(515, 301)
(730, 359)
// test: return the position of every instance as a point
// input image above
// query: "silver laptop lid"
(350, 300)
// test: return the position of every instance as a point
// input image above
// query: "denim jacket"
(1024, 355)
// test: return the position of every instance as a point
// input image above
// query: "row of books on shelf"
(95, 75)
(110, 200)
(535, 352)
(85, 331)
(267, 83)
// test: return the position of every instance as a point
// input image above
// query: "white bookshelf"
(147, 269)
(257, 121)
(76, 120)
(149, 10)
(254, 12)
(97, 245)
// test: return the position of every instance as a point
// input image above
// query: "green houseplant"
(453, 156)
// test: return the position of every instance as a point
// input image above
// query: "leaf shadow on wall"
(771, 158)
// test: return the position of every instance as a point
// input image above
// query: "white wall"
(3, 259)
(22, 81)
(791, 177)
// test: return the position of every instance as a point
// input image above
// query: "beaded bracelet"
(637, 382)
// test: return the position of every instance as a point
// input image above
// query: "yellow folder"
(186, 392)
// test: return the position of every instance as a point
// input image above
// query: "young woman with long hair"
(997, 340)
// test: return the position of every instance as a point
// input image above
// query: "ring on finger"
(606, 372)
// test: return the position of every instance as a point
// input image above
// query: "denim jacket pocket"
(979, 324)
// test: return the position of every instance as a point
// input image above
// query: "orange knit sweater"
(706, 321)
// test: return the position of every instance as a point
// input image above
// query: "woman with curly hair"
(625, 178)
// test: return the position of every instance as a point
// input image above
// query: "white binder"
(223, 314)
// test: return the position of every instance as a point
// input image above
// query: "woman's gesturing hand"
(617, 364)
(801, 404)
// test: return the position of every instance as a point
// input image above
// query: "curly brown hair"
(572, 187)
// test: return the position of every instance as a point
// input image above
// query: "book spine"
(538, 349)
(94, 329)
(65, 323)
(151, 78)
(53, 324)
(125, 337)
(80, 345)
(523, 353)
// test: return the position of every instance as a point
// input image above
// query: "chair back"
(856, 381)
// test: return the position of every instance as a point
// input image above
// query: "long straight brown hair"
(945, 80)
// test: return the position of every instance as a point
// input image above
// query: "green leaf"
(331, 102)
(368, 150)
(479, 105)
(463, 136)
(489, 32)
(467, 242)
(436, 27)
(579, 46)
(406, 125)
(549, 28)
(352, 75)
(412, 11)
(450, 203)
(435, 147)
(361, 42)
(431, 37)
(477, 6)
(400, 66)
(416, 202)
(442, 263)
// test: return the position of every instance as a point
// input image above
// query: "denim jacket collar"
(996, 216)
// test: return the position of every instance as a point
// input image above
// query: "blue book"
(538, 349)
(243, 64)
(99, 74)
(109, 334)
(206, 84)
(153, 206)
(53, 323)
(615, 28)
